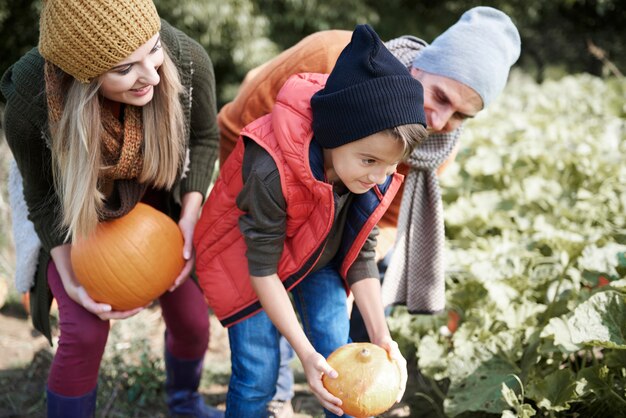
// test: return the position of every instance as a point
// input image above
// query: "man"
(462, 71)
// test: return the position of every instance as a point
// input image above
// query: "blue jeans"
(320, 300)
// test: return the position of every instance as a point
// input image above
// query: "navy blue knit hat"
(368, 91)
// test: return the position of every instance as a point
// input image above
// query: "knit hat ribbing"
(86, 38)
(368, 91)
(477, 51)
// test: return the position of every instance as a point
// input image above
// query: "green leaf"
(595, 379)
(432, 358)
(558, 389)
(133, 392)
(527, 411)
(515, 401)
(600, 321)
(619, 284)
(481, 390)
(467, 294)
(521, 315)
(615, 359)
(604, 259)
(509, 395)
(621, 258)
(559, 329)
(598, 384)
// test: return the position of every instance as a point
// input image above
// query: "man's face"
(447, 102)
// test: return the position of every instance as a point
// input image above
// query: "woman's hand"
(315, 366)
(101, 310)
(190, 212)
(186, 226)
(394, 354)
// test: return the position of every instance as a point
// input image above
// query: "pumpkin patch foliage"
(535, 212)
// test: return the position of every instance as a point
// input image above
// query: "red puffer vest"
(286, 134)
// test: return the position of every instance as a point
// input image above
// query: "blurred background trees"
(558, 36)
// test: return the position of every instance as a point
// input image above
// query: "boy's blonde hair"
(411, 136)
(76, 145)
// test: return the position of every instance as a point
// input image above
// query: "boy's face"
(362, 164)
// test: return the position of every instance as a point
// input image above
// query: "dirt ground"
(25, 357)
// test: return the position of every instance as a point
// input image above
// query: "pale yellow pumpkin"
(368, 382)
(130, 261)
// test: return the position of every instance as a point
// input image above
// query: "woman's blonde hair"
(411, 135)
(76, 146)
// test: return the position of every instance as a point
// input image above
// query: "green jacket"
(28, 136)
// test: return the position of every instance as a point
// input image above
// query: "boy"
(294, 209)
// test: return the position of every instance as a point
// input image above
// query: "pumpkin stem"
(364, 355)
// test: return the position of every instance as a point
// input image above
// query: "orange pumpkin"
(368, 382)
(130, 261)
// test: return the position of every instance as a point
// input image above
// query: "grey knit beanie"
(477, 51)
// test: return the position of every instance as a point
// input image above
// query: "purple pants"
(83, 336)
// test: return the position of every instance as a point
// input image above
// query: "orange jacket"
(316, 53)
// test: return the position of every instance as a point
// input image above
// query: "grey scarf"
(415, 276)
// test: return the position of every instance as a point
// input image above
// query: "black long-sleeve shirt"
(264, 223)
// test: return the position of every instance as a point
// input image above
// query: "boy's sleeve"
(263, 224)
(364, 266)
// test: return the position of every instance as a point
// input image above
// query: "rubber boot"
(60, 406)
(181, 387)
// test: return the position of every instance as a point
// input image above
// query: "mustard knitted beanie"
(86, 38)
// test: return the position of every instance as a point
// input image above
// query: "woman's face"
(133, 79)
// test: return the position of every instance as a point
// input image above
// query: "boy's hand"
(314, 367)
(394, 354)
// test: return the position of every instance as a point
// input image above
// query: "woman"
(114, 107)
